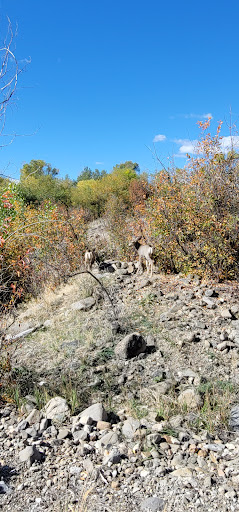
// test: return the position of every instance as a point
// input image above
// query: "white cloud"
(187, 146)
(99, 163)
(159, 138)
(227, 143)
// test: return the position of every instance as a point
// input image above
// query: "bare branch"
(9, 72)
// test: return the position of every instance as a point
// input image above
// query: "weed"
(137, 409)
(104, 355)
(217, 399)
(158, 379)
(17, 396)
(148, 300)
(41, 396)
(70, 392)
(169, 431)
(73, 401)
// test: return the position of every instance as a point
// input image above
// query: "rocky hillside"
(127, 394)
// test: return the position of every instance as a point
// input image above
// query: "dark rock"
(234, 418)
(130, 346)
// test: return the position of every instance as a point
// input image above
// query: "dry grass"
(213, 414)
(48, 346)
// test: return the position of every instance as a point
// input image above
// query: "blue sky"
(108, 78)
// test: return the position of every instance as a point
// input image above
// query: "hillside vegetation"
(190, 216)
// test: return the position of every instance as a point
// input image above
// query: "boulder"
(83, 304)
(57, 409)
(131, 346)
(96, 412)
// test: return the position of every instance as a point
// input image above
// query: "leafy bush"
(192, 216)
(40, 245)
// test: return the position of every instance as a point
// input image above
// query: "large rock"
(33, 416)
(30, 454)
(57, 409)
(129, 427)
(131, 346)
(191, 398)
(84, 304)
(111, 438)
(234, 418)
(96, 412)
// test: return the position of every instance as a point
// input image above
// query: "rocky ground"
(127, 396)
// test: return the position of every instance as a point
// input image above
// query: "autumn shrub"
(192, 216)
(39, 245)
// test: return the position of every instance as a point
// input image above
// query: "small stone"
(192, 337)
(222, 346)
(33, 416)
(152, 504)
(44, 424)
(103, 425)
(208, 482)
(111, 438)
(202, 453)
(115, 484)
(80, 435)
(22, 425)
(114, 457)
(144, 473)
(225, 313)
(4, 489)
(31, 432)
(209, 303)
(223, 336)
(221, 473)
(182, 473)
(234, 309)
(63, 433)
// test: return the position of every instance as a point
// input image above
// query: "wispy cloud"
(159, 138)
(24, 61)
(193, 116)
(99, 163)
(198, 116)
(179, 155)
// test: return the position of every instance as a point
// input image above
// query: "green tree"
(129, 165)
(38, 182)
(88, 174)
(38, 168)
